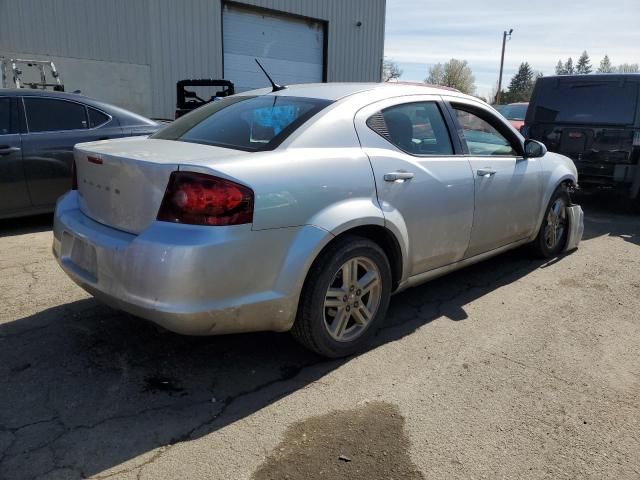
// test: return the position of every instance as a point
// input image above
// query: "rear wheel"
(345, 298)
(554, 230)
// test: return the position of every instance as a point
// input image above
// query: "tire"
(332, 317)
(553, 233)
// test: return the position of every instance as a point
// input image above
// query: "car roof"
(33, 92)
(126, 117)
(336, 91)
(598, 77)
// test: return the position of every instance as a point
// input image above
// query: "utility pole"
(505, 34)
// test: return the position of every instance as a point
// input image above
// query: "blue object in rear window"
(244, 122)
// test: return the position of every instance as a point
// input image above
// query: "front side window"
(244, 123)
(52, 115)
(5, 116)
(481, 137)
(417, 128)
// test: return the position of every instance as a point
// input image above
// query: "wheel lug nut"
(352, 288)
(348, 308)
(355, 304)
(358, 292)
(345, 298)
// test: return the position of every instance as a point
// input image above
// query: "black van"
(594, 120)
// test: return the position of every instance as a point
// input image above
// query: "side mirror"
(534, 149)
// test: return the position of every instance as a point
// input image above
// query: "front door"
(421, 183)
(508, 189)
(14, 196)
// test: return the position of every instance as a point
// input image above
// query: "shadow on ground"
(86, 388)
(24, 225)
(611, 215)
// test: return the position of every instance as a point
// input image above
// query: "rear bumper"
(609, 176)
(189, 279)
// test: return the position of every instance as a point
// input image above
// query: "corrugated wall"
(180, 38)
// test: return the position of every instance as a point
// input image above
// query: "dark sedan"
(38, 130)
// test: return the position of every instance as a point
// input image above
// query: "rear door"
(14, 196)
(419, 179)
(54, 126)
(508, 187)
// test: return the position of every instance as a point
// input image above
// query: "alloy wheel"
(352, 299)
(556, 223)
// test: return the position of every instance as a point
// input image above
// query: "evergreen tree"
(606, 66)
(560, 70)
(568, 66)
(521, 84)
(583, 67)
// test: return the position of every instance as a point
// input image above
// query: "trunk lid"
(121, 182)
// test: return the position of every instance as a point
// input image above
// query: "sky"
(420, 33)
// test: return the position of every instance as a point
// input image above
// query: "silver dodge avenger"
(304, 208)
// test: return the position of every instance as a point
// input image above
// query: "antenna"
(276, 87)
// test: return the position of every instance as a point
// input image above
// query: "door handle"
(486, 172)
(6, 149)
(393, 176)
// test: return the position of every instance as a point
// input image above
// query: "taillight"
(199, 199)
(74, 176)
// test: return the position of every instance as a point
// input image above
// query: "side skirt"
(440, 271)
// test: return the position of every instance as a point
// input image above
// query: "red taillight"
(74, 176)
(199, 199)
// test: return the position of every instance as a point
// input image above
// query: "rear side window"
(5, 116)
(565, 101)
(244, 123)
(52, 115)
(97, 118)
(417, 128)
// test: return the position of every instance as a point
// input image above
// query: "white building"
(132, 52)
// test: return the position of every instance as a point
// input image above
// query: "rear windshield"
(586, 102)
(243, 122)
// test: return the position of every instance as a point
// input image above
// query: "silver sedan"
(304, 209)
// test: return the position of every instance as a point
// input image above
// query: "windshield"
(515, 112)
(584, 102)
(243, 122)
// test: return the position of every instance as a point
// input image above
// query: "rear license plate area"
(573, 141)
(79, 255)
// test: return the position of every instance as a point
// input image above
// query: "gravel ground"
(513, 368)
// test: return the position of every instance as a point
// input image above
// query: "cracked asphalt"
(513, 368)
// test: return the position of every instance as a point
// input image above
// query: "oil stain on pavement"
(364, 443)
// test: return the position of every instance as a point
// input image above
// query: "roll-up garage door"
(290, 48)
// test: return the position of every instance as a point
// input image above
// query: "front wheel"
(344, 299)
(553, 233)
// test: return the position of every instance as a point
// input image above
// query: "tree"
(628, 68)
(560, 70)
(436, 75)
(455, 74)
(521, 84)
(605, 65)
(390, 70)
(568, 66)
(583, 67)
